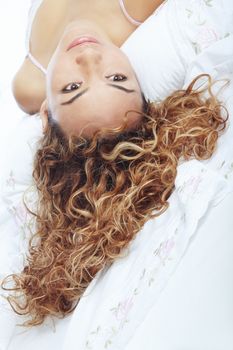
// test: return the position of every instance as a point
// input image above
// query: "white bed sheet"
(195, 310)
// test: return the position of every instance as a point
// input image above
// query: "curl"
(94, 195)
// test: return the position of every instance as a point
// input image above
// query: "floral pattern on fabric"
(121, 312)
(14, 196)
(195, 190)
(204, 30)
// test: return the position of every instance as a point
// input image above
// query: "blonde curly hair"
(96, 194)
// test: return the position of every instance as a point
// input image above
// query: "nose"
(89, 56)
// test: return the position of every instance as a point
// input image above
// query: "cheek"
(54, 80)
(52, 63)
(51, 73)
(55, 68)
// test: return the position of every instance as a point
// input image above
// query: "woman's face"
(90, 85)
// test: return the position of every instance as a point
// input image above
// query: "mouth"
(82, 41)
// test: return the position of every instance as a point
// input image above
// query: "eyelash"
(76, 86)
(117, 75)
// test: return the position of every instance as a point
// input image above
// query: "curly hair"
(94, 196)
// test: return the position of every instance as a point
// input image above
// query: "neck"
(106, 16)
(87, 27)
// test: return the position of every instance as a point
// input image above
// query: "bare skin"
(55, 25)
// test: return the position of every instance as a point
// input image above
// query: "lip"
(81, 41)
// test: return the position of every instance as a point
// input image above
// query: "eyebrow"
(84, 91)
(74, 97)
(121, 88)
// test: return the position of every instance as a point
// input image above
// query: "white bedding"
(174, 291)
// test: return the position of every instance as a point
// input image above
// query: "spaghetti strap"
(35, 4)
(127, 15)
(36, 63)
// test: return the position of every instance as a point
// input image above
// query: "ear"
(44, 115)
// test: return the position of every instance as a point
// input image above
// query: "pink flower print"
(206, 37)
(165, 249)
(122, 310)
(191, 186)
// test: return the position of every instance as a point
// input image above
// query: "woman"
(107, 161)
(78, 43)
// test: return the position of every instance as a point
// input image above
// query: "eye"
(117, 77)
(71, 87)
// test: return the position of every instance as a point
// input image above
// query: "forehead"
(104, 106)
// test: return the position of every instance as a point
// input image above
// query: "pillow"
(163, 47)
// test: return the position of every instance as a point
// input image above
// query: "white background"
(13, 22)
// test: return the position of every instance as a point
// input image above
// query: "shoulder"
(28, 88)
